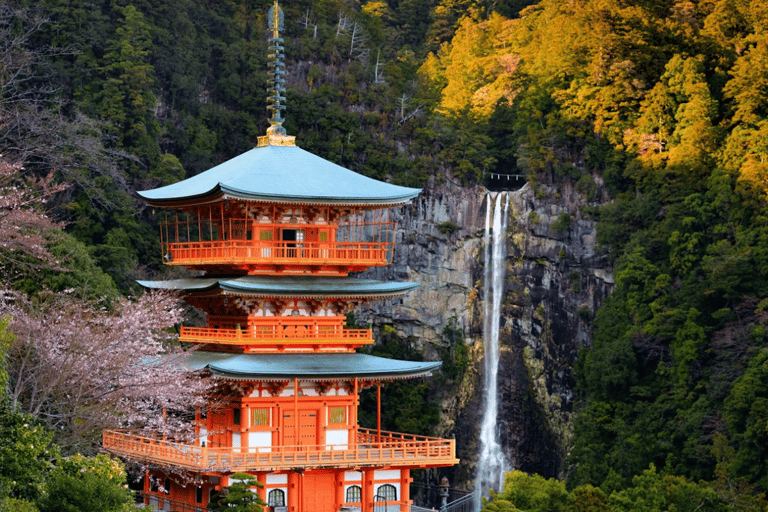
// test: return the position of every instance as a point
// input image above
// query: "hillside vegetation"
(666, 102)
(663, 101)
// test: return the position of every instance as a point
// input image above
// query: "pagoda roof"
(306, 366)
(281, 174)
(287, 286)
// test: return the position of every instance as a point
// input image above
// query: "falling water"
(492, 465)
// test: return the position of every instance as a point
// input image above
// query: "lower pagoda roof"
(306, 366)
(284, 286)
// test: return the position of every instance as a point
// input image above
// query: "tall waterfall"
(492, 464)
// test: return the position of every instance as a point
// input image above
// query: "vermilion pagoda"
(276, 232)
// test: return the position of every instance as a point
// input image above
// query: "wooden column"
(378, 411)
(367, 494)
(339, 489)
(405, 487)
(294, 492)
(296, 410)
(355, 405)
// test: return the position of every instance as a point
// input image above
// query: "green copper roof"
(290, 286)
(282, 174)
(306, 366)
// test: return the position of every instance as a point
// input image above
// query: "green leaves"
(126, 98)
(26, 453)
(85, 484)
(239, 496)
(648, 492)
(746, 413)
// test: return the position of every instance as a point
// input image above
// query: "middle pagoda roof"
(306, 366)
(281, 174)
(293, 286)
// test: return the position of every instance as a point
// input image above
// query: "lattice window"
(337, 415)
(260, 417)
(276, 498)
(387, 492)
(354, 494)
(265, 236)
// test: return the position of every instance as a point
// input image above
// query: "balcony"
(372, 449)
(279, 256)
(284, 335)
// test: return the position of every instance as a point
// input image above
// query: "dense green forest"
(663, 102)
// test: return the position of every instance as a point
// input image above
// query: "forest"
(664, 103)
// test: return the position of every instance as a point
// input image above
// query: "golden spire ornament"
(276, 135)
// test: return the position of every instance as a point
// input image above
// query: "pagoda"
(273, 235)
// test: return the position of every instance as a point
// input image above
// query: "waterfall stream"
(492, 464)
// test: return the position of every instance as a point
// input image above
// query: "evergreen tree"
(239, 496)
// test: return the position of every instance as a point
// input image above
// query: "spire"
(276, 135)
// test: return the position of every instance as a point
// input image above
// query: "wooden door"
(319, 492)
(307, 432)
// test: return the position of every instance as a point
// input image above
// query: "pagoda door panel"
(307, 432)
(319, 492)
(265, 240)
(318, 242)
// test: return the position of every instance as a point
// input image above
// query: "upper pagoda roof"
(281, 174)
(306, 366)
(287, 286)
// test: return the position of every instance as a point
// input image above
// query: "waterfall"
(491, 464)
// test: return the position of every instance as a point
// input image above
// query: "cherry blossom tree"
(80, 367)
(24, 228)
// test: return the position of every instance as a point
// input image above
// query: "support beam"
(378, 411)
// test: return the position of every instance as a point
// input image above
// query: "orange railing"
(287, 332)
(371, 450)
(277, 253)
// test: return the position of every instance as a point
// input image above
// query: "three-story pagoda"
(275, 233)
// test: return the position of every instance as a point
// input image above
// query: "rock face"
(555, 281)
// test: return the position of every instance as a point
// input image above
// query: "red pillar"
(378, 411)
(366, 496)
(294, 492)
(262, 491)
(339, 489)
(405, 488)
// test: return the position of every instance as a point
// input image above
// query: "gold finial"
(276, 135)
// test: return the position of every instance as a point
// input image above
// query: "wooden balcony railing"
(256, 252)
(371, 450)
(286, 334)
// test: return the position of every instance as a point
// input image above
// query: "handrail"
(390, 449)
(275, 333)
(465, 503)
(258, 251)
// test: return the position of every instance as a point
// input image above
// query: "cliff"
(556, 278)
